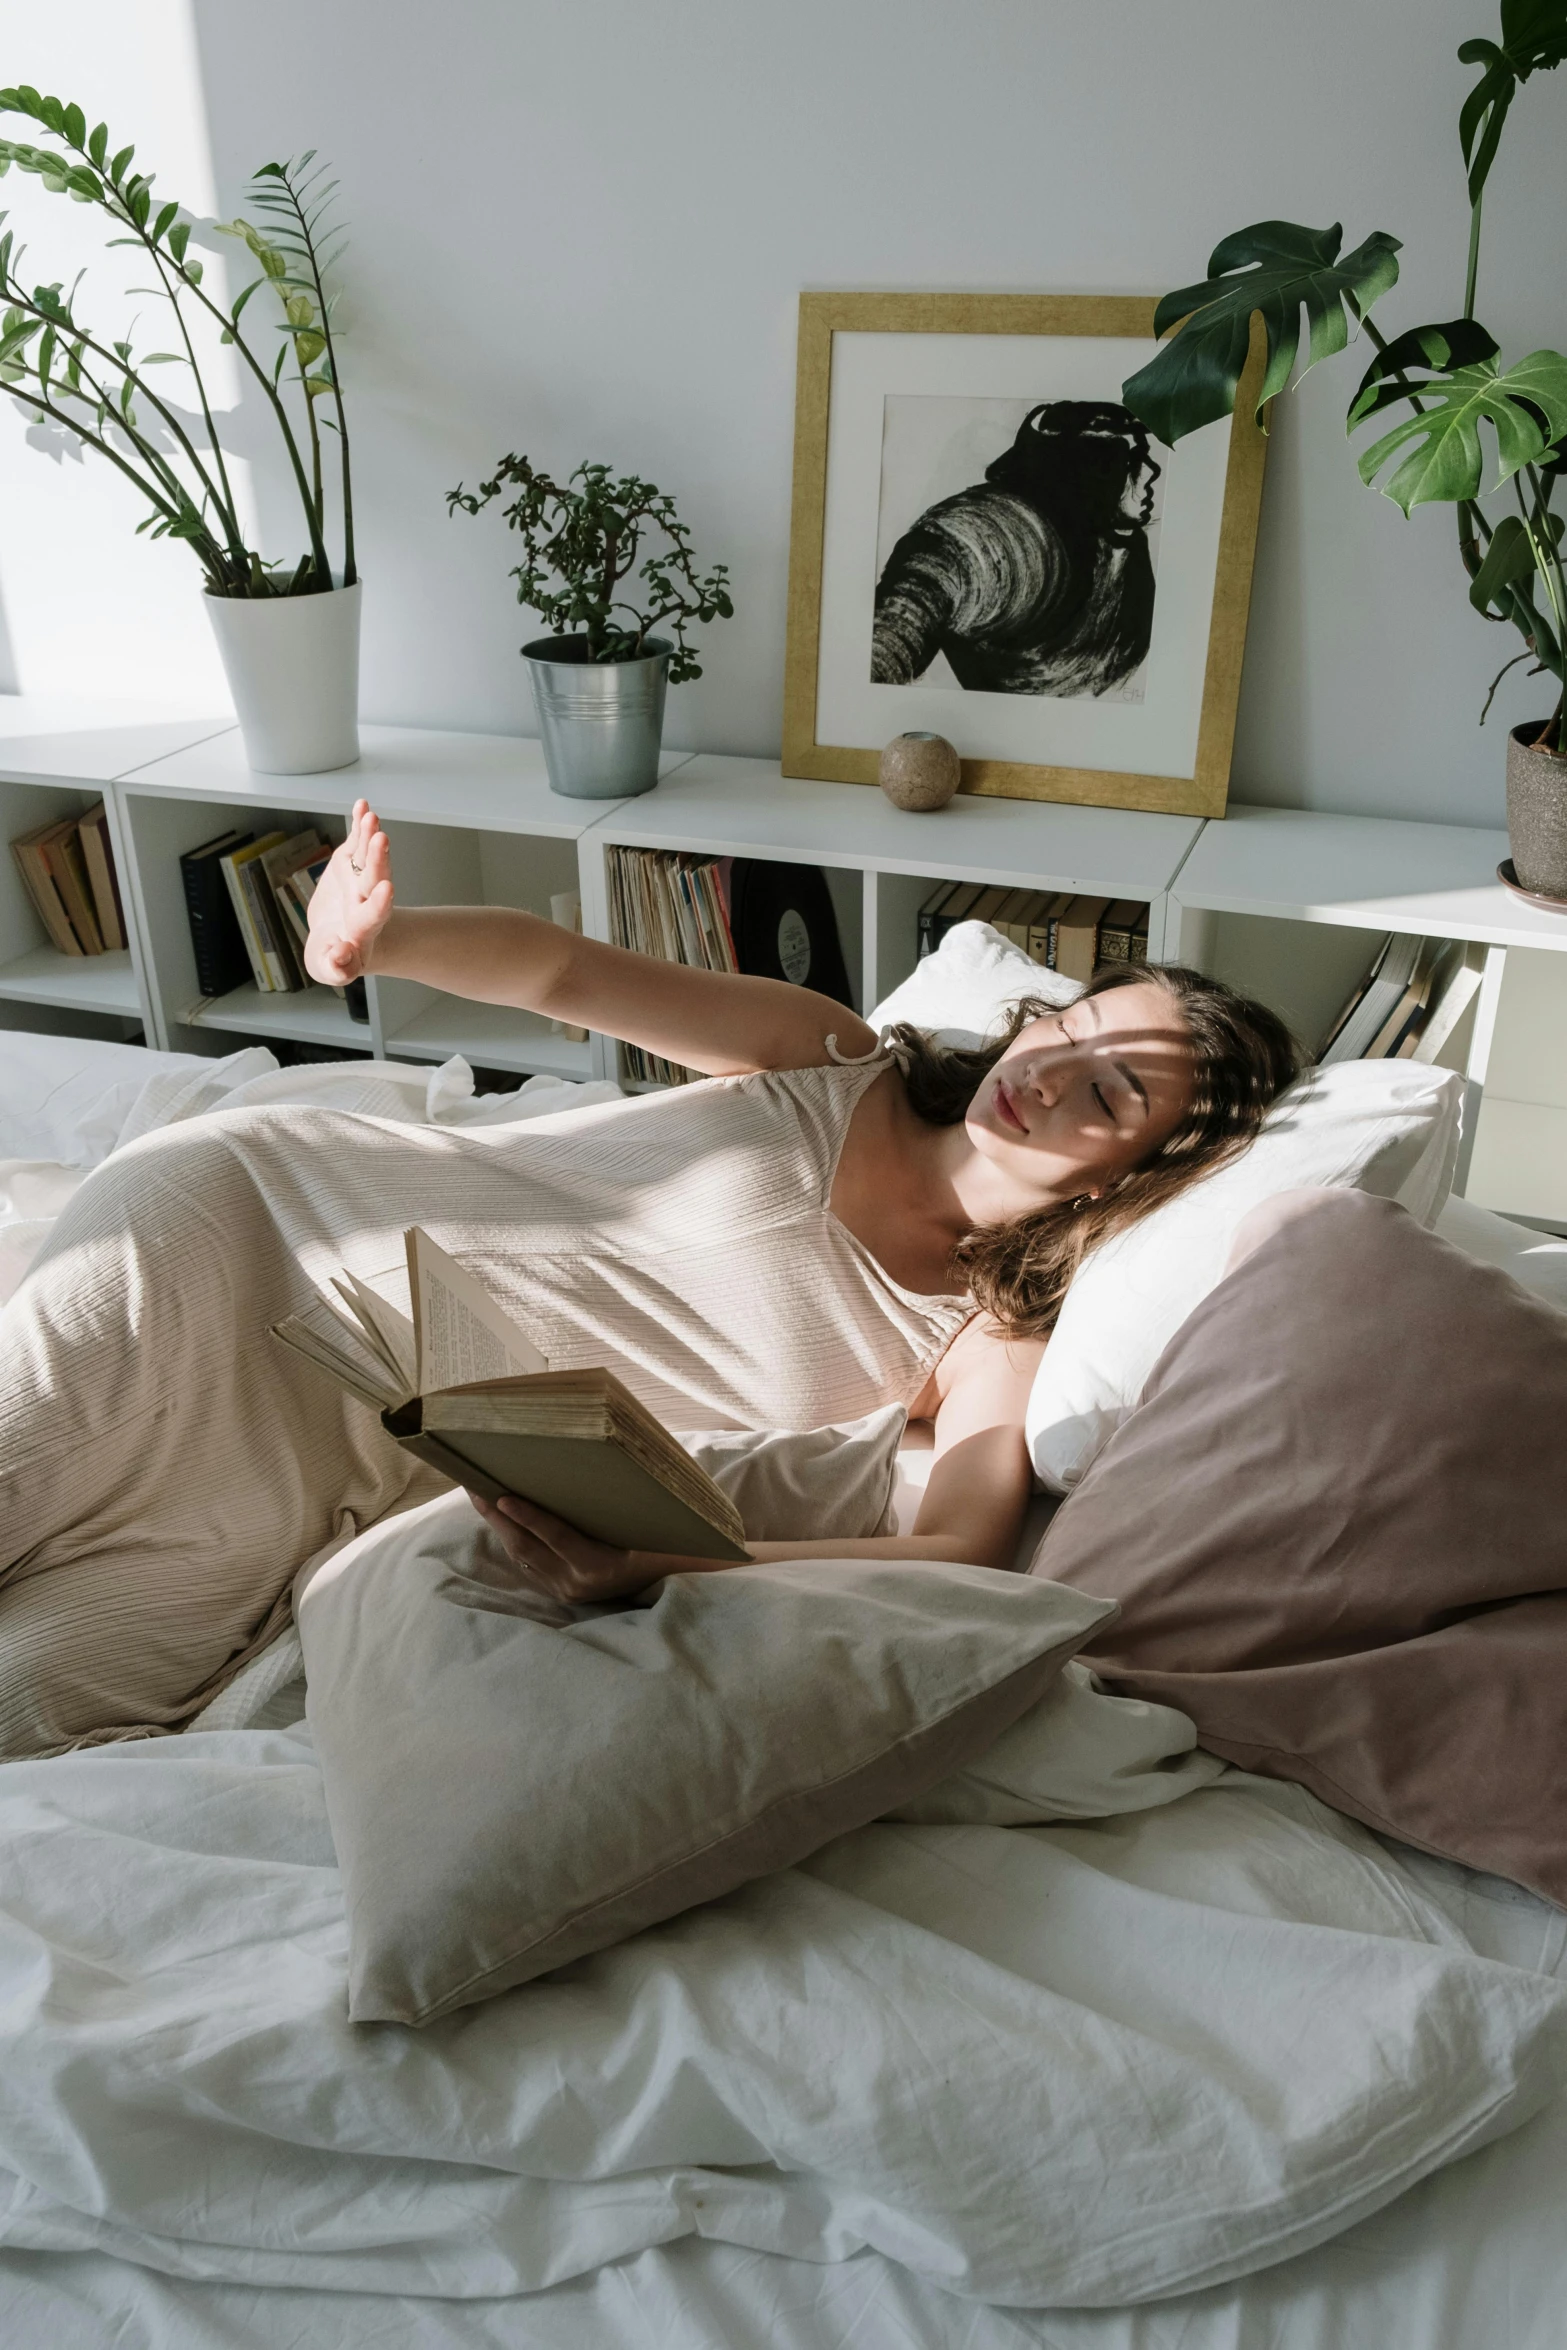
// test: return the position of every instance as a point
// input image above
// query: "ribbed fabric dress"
(166, 1467)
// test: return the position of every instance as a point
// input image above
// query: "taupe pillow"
(808, 1484)
(512, 1785)
(1337, 1525)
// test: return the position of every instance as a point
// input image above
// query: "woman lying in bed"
(831, 1226)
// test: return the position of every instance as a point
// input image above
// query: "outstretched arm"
(707, 1020)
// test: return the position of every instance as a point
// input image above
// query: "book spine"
(98, 857)
(62, 853)
(258, 969)
(46, 898)
(258, 896)
(217, 943)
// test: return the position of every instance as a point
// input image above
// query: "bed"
(196, 2156)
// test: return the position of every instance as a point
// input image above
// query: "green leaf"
(1274, 270)
(1442, 349)
(163, 359)
(1526, 409)
(75, 126)
(317, 385)
(98, 144)
(117, 167)
(195, 271)
(1534, 39)
(308, 348)
(179, 238)
(299, 310)
(165, 221)
(1509, 558)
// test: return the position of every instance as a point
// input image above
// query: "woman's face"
(1084, 1095)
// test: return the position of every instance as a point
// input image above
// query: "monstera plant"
(1450, 408)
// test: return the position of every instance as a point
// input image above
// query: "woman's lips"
(1006, 1109)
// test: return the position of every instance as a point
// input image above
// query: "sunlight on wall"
(86, 607)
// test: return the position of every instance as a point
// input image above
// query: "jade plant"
(1450, 378)
(98, 387)
(581, 540)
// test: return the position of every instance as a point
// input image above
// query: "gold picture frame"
(825, 315)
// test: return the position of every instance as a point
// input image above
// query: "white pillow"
(965, 990)
(1389, 1127)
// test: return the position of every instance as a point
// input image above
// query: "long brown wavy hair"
(1243, 1057)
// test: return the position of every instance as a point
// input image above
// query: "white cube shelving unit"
(1290, 904)
(1285, 903)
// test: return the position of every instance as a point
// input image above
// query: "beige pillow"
(510, 1788)
(1337, 1527)
(808, 1484)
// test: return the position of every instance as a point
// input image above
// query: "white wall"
(580, 227)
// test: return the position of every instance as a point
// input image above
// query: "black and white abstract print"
(1016, 546)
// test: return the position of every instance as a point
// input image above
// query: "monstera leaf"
(1517, 550)
(1534, 39)
(1397, 371)
(1526, 408)
(1275, 269)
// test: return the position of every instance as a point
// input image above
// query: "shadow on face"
(1083, 1096)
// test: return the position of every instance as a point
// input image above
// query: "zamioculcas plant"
(1449, 380)
(100, 388)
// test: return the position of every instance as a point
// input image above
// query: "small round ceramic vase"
(919, 771)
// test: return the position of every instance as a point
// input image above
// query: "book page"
(461, 1333)
(391, 1333)
(326, 1338)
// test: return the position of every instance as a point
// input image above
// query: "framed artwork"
(985, 543)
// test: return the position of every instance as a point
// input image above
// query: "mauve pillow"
(1337, 1527)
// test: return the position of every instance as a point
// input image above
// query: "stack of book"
(68, 868)
(1067, 933)
(247, 898)
(676, 907)
(1408, 1004)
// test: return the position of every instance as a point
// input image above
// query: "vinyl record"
(784, 926)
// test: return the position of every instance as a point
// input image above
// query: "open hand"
(351, 902)
(554, 1558)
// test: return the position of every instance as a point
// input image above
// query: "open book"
(460, 1386)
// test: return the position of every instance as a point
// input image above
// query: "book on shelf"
(98, 856)
(234, 863)
(1409, 1003)
(217, 943)
(276, 867)
(32, 864)
(67, 868)
(1077, 937)
(1045, 923)
(748, 914)
(1450, 1000)
(461, 1387)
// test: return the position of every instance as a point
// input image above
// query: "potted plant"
(599, 677)
(1451, 380)
(288, 634)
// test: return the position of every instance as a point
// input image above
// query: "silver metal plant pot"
(1537, 813)
(602, 721)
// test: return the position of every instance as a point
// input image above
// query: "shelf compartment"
(310, 1015)
(89, 983)
(489, 1036)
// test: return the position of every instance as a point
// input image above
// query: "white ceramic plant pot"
(293, 670)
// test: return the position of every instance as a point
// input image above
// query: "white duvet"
(1068, 2065)
(1082, 2063)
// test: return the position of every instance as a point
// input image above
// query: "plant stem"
(1473, 270)
(226, 506)
(349, 572)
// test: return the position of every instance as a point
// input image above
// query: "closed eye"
(1104, 1105)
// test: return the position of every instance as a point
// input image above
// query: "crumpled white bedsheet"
(1080, 2065)
(66, 1102)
